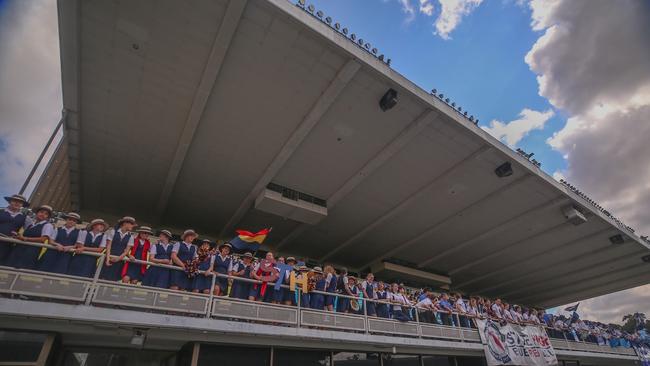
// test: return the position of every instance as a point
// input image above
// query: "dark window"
(210, 355)
(355, 359)
(20, 346)
(400, 360)
(290, 357)
(437, 361)
(117, 357)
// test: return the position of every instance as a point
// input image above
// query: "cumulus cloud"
(592, 61)
(30, 86)
(451, 14)
(512, 132)
(426, 7)
(408, 9)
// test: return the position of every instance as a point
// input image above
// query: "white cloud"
(30, 87)
(593, 62)
(451, 14)
(512, 132)
(426, 7)
(408, 9)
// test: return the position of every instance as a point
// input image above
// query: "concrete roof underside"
(180, 113)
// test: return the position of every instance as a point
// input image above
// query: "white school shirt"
(46, 230)
(425, 303)
(460, 303)
(12, 213)
(399, 298)
(497, 311)
(111, 234)
(152, 249)
(472, 310)
(364, 286)
(507, 315)
(81, 239)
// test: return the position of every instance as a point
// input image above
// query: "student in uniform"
(223, 266)
(242, 269)
(160, 253)
(398, 299)
(134, 272)
(382, 295)
(317, 300)
(182, 254)
(368, 289)
(343, 303)
(89, 240)
(57, 258)
(425, 308)
(12, 218)
(267, 273)
(289, 296)
(278, 295)
(330, 287)
(446, 310)
(38, 230)
(118, 243)
(305, 297)
(354, 292)
(202, 282)
(462, 310)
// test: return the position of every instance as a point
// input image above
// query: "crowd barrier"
(97, 292)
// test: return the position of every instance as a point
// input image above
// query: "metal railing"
(97, 292)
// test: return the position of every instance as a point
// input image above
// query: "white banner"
(515, 345)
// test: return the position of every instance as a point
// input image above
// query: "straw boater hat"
(290, 259)
(73, 215)
(97, 222)
(166, 232)
(226, 244)
(126, 219)
(303, 268)
(318, 270)
(247, 255)
(45, 208)
(17, 197)
(144, 229)
(188, 232)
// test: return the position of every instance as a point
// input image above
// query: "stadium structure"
(220, 115)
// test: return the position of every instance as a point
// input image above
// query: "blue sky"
(481, 67)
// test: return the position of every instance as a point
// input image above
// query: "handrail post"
(298, 292)
(417, 322)
(365, 315)
(211, 297)
(93, 285)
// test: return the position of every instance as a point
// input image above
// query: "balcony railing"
(97, 292)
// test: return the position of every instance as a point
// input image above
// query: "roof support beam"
(320, 107)
(526, 215)
(505, 249)
(605, 287)
(532, 259)
(213, 65)
(616, 275)
(577, 272)
(440, 224)
(404, 205)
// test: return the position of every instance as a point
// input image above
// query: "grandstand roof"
(181, 113)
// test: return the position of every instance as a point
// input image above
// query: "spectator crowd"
(190, 264)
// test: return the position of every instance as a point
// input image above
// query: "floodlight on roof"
(434, 91)
(441, 95)
(337, 26)
(447, 100)
(453, 104)
(465, 114)
(374, 51)
(504, 170)
(460, 109)
(319, 13)
(389, 100)
(353, 36)
(311, 8)
(301, 3)
(381, 57)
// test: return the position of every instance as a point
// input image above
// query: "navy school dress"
(370, 306)
(200, 281)
(318, 300)
(54, 260)
(84, 265)
(241, 289)
(288, 294)
(221, 266)
(179, 277)
(343, 303)
(382, 309)
(355, 292)
(331, 288)
(26, 256)
(135, 270)
(9, 225)
(159, 276)
(118, 245)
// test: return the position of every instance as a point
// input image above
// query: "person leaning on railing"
(12, 219)
(159, 253)
(118, 244)
(89, 241)
(382, 296)
(57, 258)
(39, 230)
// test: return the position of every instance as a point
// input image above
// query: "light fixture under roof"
(389, 100)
